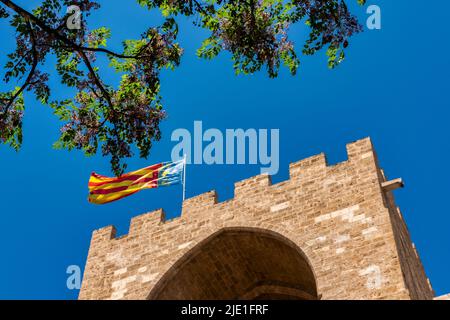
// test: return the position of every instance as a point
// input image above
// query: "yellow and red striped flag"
(105, 189)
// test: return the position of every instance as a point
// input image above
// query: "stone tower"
(329, 232)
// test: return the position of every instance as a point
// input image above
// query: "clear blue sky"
(393, 87)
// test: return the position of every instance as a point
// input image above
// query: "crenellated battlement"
(305, 170)
(341, 217)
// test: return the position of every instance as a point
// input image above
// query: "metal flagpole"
(184, 177)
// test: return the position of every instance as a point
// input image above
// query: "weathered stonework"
(329, 232)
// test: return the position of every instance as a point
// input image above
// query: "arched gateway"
(328, 232)
(240, 263)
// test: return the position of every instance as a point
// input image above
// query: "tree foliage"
(114, 119)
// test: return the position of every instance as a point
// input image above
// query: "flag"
(105, 189)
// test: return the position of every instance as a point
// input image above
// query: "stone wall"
(334, 225)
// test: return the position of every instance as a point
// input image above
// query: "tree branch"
(115, 54)
(27, 15)
(70, 44)
(30, 74)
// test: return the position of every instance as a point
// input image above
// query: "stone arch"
(239, 263)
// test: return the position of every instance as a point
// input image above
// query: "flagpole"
(184, 177)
